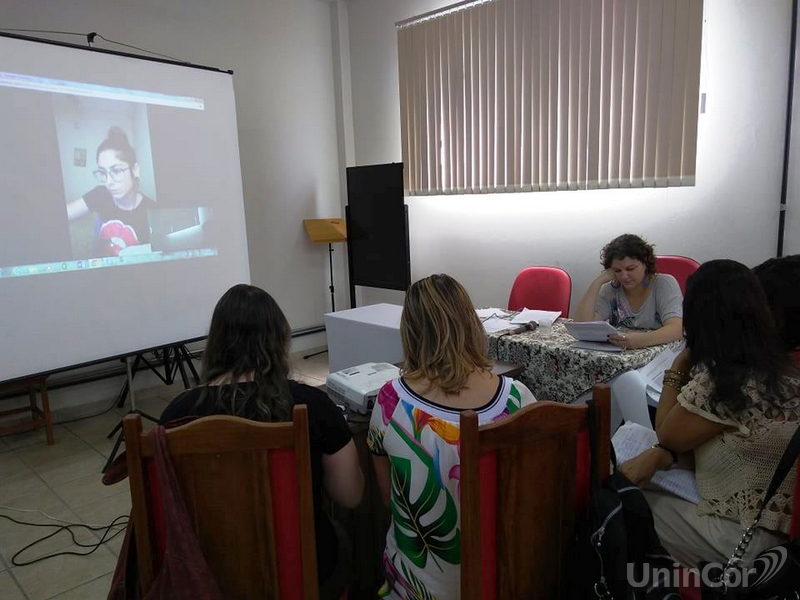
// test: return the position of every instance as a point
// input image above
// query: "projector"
(357, 387)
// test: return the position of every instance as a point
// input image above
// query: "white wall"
(485, 240)
(281, 53)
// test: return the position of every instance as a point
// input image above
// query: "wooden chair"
(40, 417)
(523, 482)
(247, 487)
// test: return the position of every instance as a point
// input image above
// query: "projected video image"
(81, 167)
(107, 170)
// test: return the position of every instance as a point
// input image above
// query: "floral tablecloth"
(555, 371)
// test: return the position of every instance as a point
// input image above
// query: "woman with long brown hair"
(414, 435)
(246, 374)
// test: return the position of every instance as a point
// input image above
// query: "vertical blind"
(529, 95)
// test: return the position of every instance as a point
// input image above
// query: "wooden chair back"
(247, 488)
(523, 481)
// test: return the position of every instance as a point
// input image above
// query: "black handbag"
(775, 574)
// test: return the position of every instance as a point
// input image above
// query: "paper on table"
(494, 324)
(528, 315)
(590, 331)
(485, 313)
(632, 439)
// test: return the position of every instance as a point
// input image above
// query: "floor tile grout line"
(10, 572)
(77, 586)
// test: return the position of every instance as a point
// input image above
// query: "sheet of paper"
(493, 324)
(632, 439)
(596, 346)
(653, 372)
(590, 331)
(528, 315)
(485, 313)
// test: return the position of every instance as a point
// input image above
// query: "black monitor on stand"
(377, 228)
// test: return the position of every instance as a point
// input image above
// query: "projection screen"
(121, 208)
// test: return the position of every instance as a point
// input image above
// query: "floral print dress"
(422, 559)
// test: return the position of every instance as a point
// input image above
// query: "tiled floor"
(63, 481)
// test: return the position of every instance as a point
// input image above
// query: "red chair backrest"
(247, 488)
(523, 481)
(541, 288)
(680, 267)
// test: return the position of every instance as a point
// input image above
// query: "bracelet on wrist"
(672, 454)
(673, 384)
(677, 373)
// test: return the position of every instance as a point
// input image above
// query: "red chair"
(692, 590)
(680, 267)
(524, 480)
(541, 288)
(247, 488)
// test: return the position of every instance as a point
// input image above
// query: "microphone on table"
(529, 326)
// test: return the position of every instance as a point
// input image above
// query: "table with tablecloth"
(556, 371)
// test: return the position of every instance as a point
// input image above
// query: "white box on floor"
(364, 334)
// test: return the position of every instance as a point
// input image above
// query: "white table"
(364, 334)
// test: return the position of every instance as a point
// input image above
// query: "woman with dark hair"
(414, 435)
(246, 374)
(780, 278)
(732, 402)
(630, 294)
(119, 203)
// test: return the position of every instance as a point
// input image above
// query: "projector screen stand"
(176, 358)
(181, 358)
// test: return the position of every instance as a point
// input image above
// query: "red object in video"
(116, 235)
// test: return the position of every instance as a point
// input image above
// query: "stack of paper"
(590, 331)
(527, 315)
(632, 439)
(495, 319)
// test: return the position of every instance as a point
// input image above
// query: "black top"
(327, 432)
(100, 201)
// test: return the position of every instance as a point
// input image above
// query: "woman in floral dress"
(414, 436)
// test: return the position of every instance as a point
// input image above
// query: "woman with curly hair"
(246, 374)
(630, 294)
(414, 435)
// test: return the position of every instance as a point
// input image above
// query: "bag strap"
(786, 464)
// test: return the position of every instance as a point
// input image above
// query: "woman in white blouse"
(730, 404)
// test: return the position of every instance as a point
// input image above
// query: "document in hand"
(632, 439)
(590, 331)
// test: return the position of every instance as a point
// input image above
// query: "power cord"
(106, 537)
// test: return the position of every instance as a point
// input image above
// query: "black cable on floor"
(107, 536)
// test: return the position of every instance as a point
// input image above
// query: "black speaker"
(377, 228)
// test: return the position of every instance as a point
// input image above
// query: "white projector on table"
(357, 387)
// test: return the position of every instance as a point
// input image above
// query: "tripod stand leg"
(179, 361)
(117, 427)
(187, 357)
(113, 454)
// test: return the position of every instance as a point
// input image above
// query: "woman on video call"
(118, 202)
